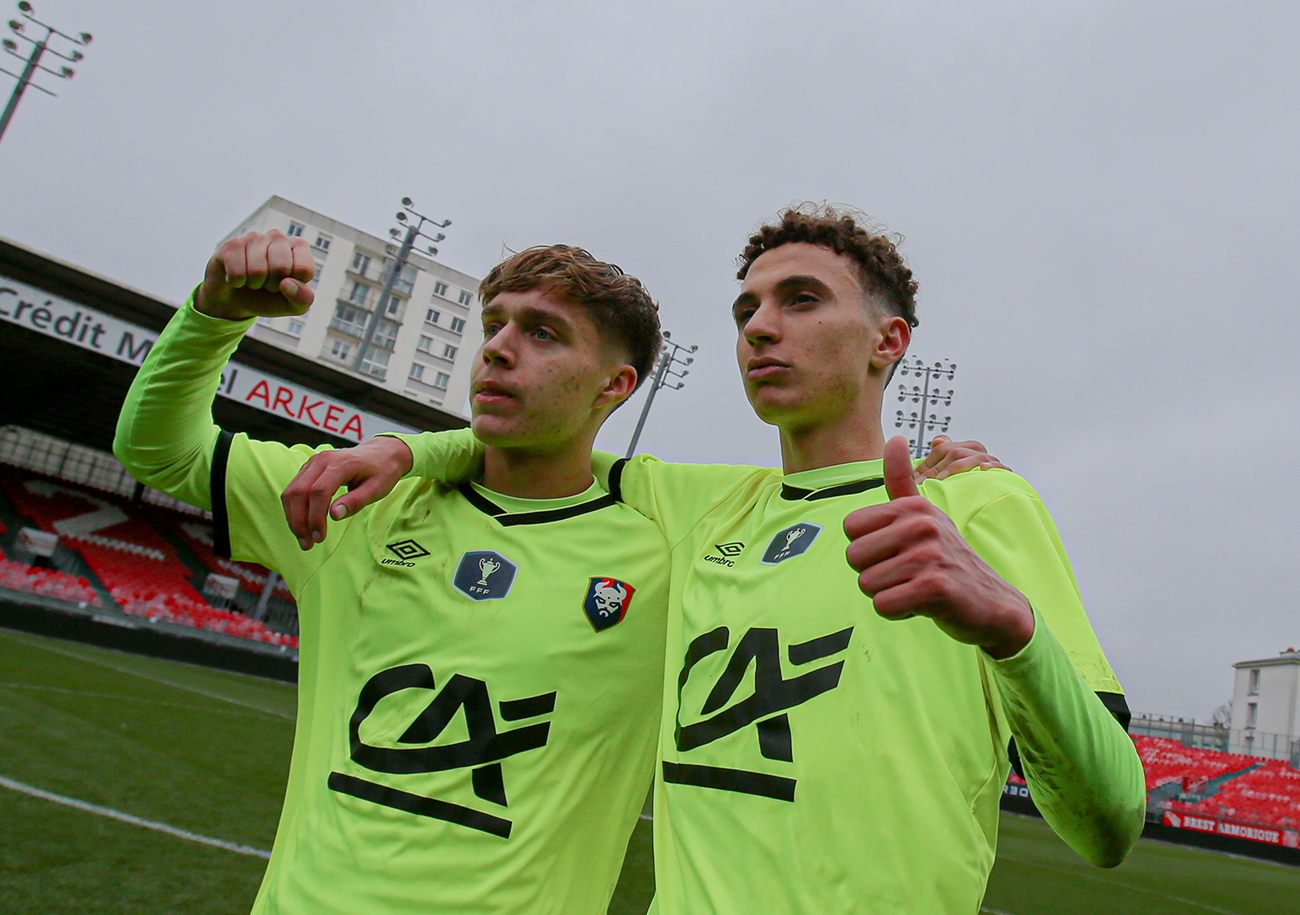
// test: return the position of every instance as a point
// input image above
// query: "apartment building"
(419, 348)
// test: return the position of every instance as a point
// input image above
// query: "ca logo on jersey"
(765, 708)
(790, 542)
(607, 601)
(484, 575)
(415, 751)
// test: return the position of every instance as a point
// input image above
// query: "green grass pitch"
(206, 753)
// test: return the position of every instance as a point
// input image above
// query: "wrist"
(1014, 633)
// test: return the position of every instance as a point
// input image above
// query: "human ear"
(618, 387)
(895, 335)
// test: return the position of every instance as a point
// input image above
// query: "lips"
(765, 367)
(490, 392)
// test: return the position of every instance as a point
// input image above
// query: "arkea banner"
(1266, 834)
(29, 307)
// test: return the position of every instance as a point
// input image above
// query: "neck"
(537, 475)
(853, 436)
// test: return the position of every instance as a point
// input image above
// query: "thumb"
(898, 469)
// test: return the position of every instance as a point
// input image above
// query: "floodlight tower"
(32, 62)
(395, 268)
(669, 356)
(926, 396)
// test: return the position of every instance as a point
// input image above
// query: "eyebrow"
(786, 285)
(531, 314)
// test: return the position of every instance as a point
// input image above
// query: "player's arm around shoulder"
(676, 496)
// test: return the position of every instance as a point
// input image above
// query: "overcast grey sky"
(1098, 200)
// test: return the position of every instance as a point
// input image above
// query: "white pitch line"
(134, 821)
(44, 646)
(34, 687)
(1124, 886)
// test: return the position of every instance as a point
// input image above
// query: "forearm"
(1083, 771)
(165, 432)
(450, 457)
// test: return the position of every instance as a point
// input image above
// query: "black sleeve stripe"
(217, 483)
(1117, 705)
(616, 479)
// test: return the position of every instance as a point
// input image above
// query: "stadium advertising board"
(1266, 834)
(101, 333)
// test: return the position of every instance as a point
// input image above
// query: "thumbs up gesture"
(912, 561)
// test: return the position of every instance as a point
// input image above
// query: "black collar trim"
(797, 494)
(509, 519)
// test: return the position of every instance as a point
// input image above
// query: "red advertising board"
(1266, 834)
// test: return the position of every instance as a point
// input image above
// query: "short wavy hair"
(874, 251)
(622, 310)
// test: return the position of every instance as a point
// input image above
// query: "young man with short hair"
(825, 752)
(480, 667)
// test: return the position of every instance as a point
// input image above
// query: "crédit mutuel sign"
(93, 330)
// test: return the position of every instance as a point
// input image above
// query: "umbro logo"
(405, 551)
(726, 552)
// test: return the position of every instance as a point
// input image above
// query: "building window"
(1252, 711)
(458, 325)
(340, 349)
(295, 230)
(466, 297)
(441, 379)
(322, 241)
(393, 304)
(376, 362)
(348, 319)
(432, 315)
(417, 371)
(295, 328)
(449, 351)
(319, 268)
(440, 288)
(361, 262)
(359, 294)
(386, 333)
(424, 344)
(1254, 682)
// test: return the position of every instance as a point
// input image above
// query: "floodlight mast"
(663, 370)
(33, 59)
(395, 269)
(925, 422)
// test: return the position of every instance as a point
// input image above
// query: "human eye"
(542, 333)
(742, 314)
(490, 328)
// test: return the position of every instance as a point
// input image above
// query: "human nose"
(763, 326)
(499, 348)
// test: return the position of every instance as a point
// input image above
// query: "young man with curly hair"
(480, 667)
(838, 716)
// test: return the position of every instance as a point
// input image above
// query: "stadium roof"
(71, 391)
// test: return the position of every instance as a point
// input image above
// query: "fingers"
(306, 499)
(947, 457)
(899, 482)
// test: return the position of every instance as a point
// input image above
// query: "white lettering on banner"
(116, 339)
(1226, 828)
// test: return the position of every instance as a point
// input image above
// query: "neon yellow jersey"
(479, 679)
(818, 758)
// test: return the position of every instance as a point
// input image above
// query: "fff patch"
(607, 601)
(484, 575)
(790, 542)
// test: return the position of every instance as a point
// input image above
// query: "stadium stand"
(148, 560)
(1244, 789)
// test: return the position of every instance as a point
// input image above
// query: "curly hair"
(881, 269)
(623, 311)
